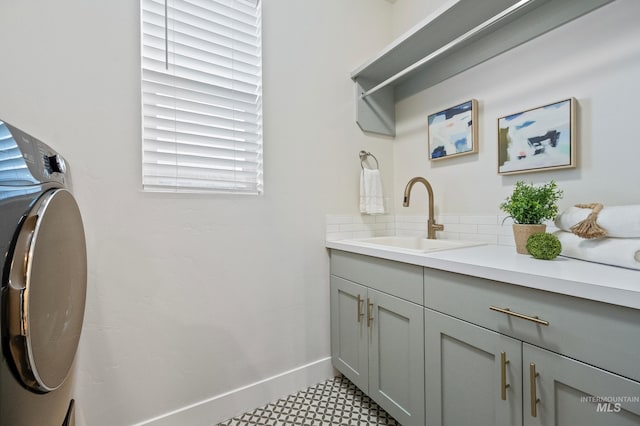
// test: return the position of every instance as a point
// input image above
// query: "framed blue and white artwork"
(538, 139)
(454, 131)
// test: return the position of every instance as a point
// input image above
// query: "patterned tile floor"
(334, 402)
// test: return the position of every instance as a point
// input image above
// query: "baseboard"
(233, 403)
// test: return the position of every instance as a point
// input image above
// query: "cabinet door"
(465, 374)
(349, 334)
(396, 357)
(568, 390)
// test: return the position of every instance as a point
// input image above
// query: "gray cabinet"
(473, 376)
(596, 333)
(396, 357)
(562, 391)
(377, 340)
(477, 376)
(439, 348)
(349, 331)
(470, 323)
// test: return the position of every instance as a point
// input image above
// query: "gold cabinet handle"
(360, 314)
(503, 375)
(369, 314)
(518, 315)
(534, 398)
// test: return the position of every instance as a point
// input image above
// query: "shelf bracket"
(375, 113)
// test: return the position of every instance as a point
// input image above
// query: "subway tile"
(504, 240)
(410, 233)
(505, 230)
(385, 218)
(505, 220)
(444, 219)
(489, 239)
(446, 235)
(332, 228)
(336, 236)
(377, 226)
(411, 219)
(363, 234)
(413, 225)
(479, 220)
(459, 227)
(351, 227)
(367, 218)
(489, 229)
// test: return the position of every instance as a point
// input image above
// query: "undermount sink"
(422, 245)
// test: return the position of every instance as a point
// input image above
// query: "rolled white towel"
(624, 252)
(618, 221)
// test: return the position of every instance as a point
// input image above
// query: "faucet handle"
(437, 227)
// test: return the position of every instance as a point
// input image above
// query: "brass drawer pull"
(521, 316)
(359, 313)
(503, 375)
(369, 314)
(534, 398)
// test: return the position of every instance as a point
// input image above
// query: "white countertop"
(562, 275)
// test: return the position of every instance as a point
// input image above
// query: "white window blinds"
(202, 96)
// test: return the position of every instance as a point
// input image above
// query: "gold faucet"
(432, 227)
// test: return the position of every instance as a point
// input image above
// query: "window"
(201, 96)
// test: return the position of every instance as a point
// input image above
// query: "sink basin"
(421, 245)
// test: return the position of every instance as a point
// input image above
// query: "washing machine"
(44, 277)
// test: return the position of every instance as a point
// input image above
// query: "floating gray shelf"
(460, 35)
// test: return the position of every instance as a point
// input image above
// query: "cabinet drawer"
(600, 334)
(398, 279)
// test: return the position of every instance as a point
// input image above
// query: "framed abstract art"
(454, 131)
(538, 139)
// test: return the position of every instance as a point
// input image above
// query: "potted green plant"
(529, 206)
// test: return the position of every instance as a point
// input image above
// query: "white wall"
(595, 59)
(191, 296)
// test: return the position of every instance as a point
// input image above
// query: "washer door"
(46, 291)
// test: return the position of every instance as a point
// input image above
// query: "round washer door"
(46, 291)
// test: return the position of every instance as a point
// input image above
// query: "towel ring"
(363, 157)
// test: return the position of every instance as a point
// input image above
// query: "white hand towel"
(371, 198)
(618, 221)
(623, 252)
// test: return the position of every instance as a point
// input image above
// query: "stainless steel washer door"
(46, 292)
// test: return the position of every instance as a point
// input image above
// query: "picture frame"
(538, 139)
(454, 131)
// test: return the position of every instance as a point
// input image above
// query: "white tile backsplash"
(489, 239)
(466, 228)
(342, 227)
(479, 220)
(339, 219)
(447, 219)
(490, 229)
